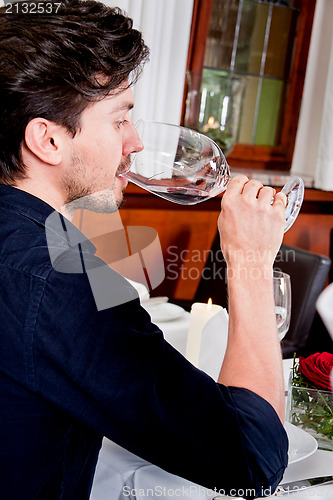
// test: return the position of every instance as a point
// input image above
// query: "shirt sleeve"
(113, 371)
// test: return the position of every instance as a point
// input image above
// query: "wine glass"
(282, 299)
(186, 167)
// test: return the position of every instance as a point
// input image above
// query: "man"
(70, 373)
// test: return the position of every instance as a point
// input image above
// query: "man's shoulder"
(23, 243)
(29, 245)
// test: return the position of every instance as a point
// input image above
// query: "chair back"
(309, 272)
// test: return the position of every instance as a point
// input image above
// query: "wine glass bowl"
(187, 167)
(178, 164)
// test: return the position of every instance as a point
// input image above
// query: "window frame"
(258, 156)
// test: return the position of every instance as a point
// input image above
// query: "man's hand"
(251, 226)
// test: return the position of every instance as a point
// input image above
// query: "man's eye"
(121, 123)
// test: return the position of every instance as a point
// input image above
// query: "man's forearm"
(253, 357)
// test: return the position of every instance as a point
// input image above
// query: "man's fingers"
(280, 198)
(236, 184)
(252, 189)
(266, 194)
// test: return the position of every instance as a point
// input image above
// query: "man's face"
(100, 153)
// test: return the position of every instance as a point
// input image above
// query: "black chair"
(308, 272)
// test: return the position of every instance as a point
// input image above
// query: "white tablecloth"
(120, 475)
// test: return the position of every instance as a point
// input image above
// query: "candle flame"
(209, 303)
(211, 120)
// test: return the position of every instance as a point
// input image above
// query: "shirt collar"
(56, 225)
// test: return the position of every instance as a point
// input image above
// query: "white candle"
(200, 314)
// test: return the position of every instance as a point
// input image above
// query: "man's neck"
(43, 192)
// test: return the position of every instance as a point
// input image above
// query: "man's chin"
(104, 201)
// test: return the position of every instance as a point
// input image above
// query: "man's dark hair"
(53, 65)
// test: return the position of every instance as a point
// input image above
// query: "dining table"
(121, 475)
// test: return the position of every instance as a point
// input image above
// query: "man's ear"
(45, 139)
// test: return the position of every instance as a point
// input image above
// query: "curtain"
(324, 166)
(166, 26)
(313, 155)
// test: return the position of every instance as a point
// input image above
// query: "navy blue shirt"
(71, 374)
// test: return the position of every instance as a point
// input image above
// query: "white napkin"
(141, 289)
(324, 307)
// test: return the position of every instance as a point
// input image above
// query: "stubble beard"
(79, 196)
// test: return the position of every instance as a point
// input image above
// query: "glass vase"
(312, 410)
(214, 105)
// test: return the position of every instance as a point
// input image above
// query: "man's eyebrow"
(126, 106)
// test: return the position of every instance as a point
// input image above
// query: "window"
(266, 43)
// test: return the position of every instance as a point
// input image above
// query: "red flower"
(317, 368)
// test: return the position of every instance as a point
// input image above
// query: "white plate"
(301, 444)
(164, 312)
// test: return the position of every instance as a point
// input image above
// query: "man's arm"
(112, 371)
(251, 230)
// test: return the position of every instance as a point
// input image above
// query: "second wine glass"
(186, 167)
(282, 299)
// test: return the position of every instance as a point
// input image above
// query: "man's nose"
(132, 142)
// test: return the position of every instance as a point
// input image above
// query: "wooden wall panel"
(186, 234)
(185, 239)
(311, 232)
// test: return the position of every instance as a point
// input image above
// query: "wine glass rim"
(278, 274)
(182, 127)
